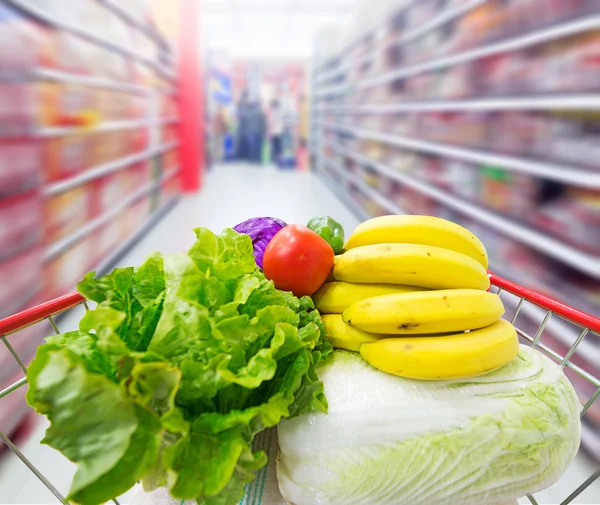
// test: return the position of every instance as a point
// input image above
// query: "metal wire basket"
(571, 324)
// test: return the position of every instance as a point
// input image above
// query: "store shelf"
(105, 169)
(541, 36)
(108, 263)
(140, 24)
(577, 101)
(343, 195)
(394, 11)
(31, 9)
(55, 75)
(445, 17)
(555, 248)
(50, 74)
(107, 126)
(169, 174)
(365, 189)
(62, 245)
(562, 173)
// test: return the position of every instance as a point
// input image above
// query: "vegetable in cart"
(185, 359)
(389, 440)
(261, 230)
(330, 230)
(298, 260)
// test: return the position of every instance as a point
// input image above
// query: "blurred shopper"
(257, 129)
(303, 119)
(276, 131)
(220, 131)
(243, 123)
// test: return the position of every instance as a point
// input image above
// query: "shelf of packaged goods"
(59, 76)
(108, 263)
(335, 90)
(365, 189)
(559, 31)
(575, 101)
(564, 332)
(50, 74)
(343, 195)
(445, 17)
(62, 245)
(139, 24)
(396, 8)
(448, 15)
(566, 174)
(33, 10)
(105, 169)
(107, 126)
(553, 247)
(169, 174)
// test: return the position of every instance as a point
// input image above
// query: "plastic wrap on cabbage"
(261, 230)
(389, 440)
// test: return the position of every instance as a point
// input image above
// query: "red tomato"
(298, 260)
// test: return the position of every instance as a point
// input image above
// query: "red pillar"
(191, 98)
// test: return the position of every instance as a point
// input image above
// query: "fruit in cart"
(389, 440)
(298, 260)
(343, 336)
(441, 357)
(412, 265)
(335, 297)
(440, 311)
(423, 230)
(182, 363)
(330, 230)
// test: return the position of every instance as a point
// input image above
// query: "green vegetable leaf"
(184, 360)
(330, 230)
(91, 422)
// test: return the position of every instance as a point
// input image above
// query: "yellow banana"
(411, 265)
(335, 297)
(344, 336)
(330, 277)
(443, 311)
(423, 230)
(458, 356)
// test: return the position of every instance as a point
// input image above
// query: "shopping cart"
(545, 306)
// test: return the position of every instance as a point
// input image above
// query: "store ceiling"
(275, 29)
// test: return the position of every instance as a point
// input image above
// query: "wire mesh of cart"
(576, 325)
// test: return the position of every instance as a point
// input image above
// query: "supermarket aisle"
(232, 193)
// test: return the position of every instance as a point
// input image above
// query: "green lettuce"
(184, 360)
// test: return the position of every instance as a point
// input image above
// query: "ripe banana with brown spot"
(458, 356)
(423, 312)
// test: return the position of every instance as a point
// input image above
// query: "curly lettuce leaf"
(93, 424)
(184, 360)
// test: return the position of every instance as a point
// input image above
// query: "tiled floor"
(232, 194)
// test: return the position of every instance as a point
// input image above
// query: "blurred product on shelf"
(88, 148)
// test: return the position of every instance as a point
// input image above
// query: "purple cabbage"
(261, 230)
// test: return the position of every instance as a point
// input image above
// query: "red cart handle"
(39, 312)
(577, 316)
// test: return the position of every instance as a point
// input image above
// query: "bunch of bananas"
(410, 294)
